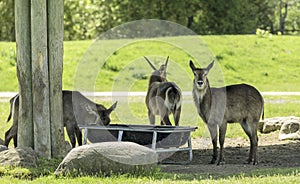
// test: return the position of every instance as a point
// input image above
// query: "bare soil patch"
(272, 153)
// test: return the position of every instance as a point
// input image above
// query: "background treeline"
(85, 19)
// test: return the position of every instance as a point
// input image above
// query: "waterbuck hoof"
(221, 163)
(250, 161)
(213, 161)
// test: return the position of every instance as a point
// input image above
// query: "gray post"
(39, 38)
(55, 51)
(23, 43)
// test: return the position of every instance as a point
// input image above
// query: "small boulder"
(3, 148)
(106, 158)
(290, 130)
(19, 157)
(1, 142)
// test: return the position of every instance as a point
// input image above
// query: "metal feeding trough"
(161, 139)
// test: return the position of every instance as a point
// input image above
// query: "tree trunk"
(283, 17)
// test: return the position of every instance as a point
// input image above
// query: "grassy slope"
(270, 64)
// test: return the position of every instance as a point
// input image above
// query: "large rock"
(107, 158)
(290, 130)
(274, 124)
(19, 157)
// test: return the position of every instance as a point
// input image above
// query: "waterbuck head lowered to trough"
(240, 103)
(163, 98)
(77, 110)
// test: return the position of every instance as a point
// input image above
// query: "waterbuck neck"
(202, 99)
(155, 77)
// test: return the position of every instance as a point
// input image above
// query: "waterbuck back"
(77, 110)
(240, 103)
(163, 98)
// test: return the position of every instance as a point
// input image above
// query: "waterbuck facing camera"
(163, 98)
(218, 106)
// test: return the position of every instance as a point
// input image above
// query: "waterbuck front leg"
(78, 135)
(70, 127)
(214, 137)
(222, 133)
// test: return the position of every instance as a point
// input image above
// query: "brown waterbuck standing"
(218, 106)
(163, 98)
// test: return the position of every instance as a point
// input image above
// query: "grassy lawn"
(270, 64)
(290, 175)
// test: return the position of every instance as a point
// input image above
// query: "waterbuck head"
(200, 75)
(158, 75)
(105, 113)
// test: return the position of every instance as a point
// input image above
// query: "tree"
(283, 11)
(7, 20)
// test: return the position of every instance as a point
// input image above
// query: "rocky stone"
(290, 130)
(19, 157)
(274, 124)
(106, 158)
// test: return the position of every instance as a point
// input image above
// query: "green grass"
(285, 175)
(270, 64)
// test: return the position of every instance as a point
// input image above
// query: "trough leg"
(190, 148)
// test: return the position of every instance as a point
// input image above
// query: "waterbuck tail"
(173, 98)
(263, 113)
(12, 106)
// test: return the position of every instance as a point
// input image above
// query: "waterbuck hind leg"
(177, 116)
(8, 137)
(250, 128)
(151, 117)
(15, 140)
(166, 120)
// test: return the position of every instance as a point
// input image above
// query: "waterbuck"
(163, 98)
(77, 110)
(240, 103)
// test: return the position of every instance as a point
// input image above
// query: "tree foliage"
(86, 19)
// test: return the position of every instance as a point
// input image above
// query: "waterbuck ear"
(192, 65)
(109, 110)
(210, 66)
(113, 106)
(166, 63)
(152, 66)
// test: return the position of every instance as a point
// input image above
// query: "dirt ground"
(272, 153)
